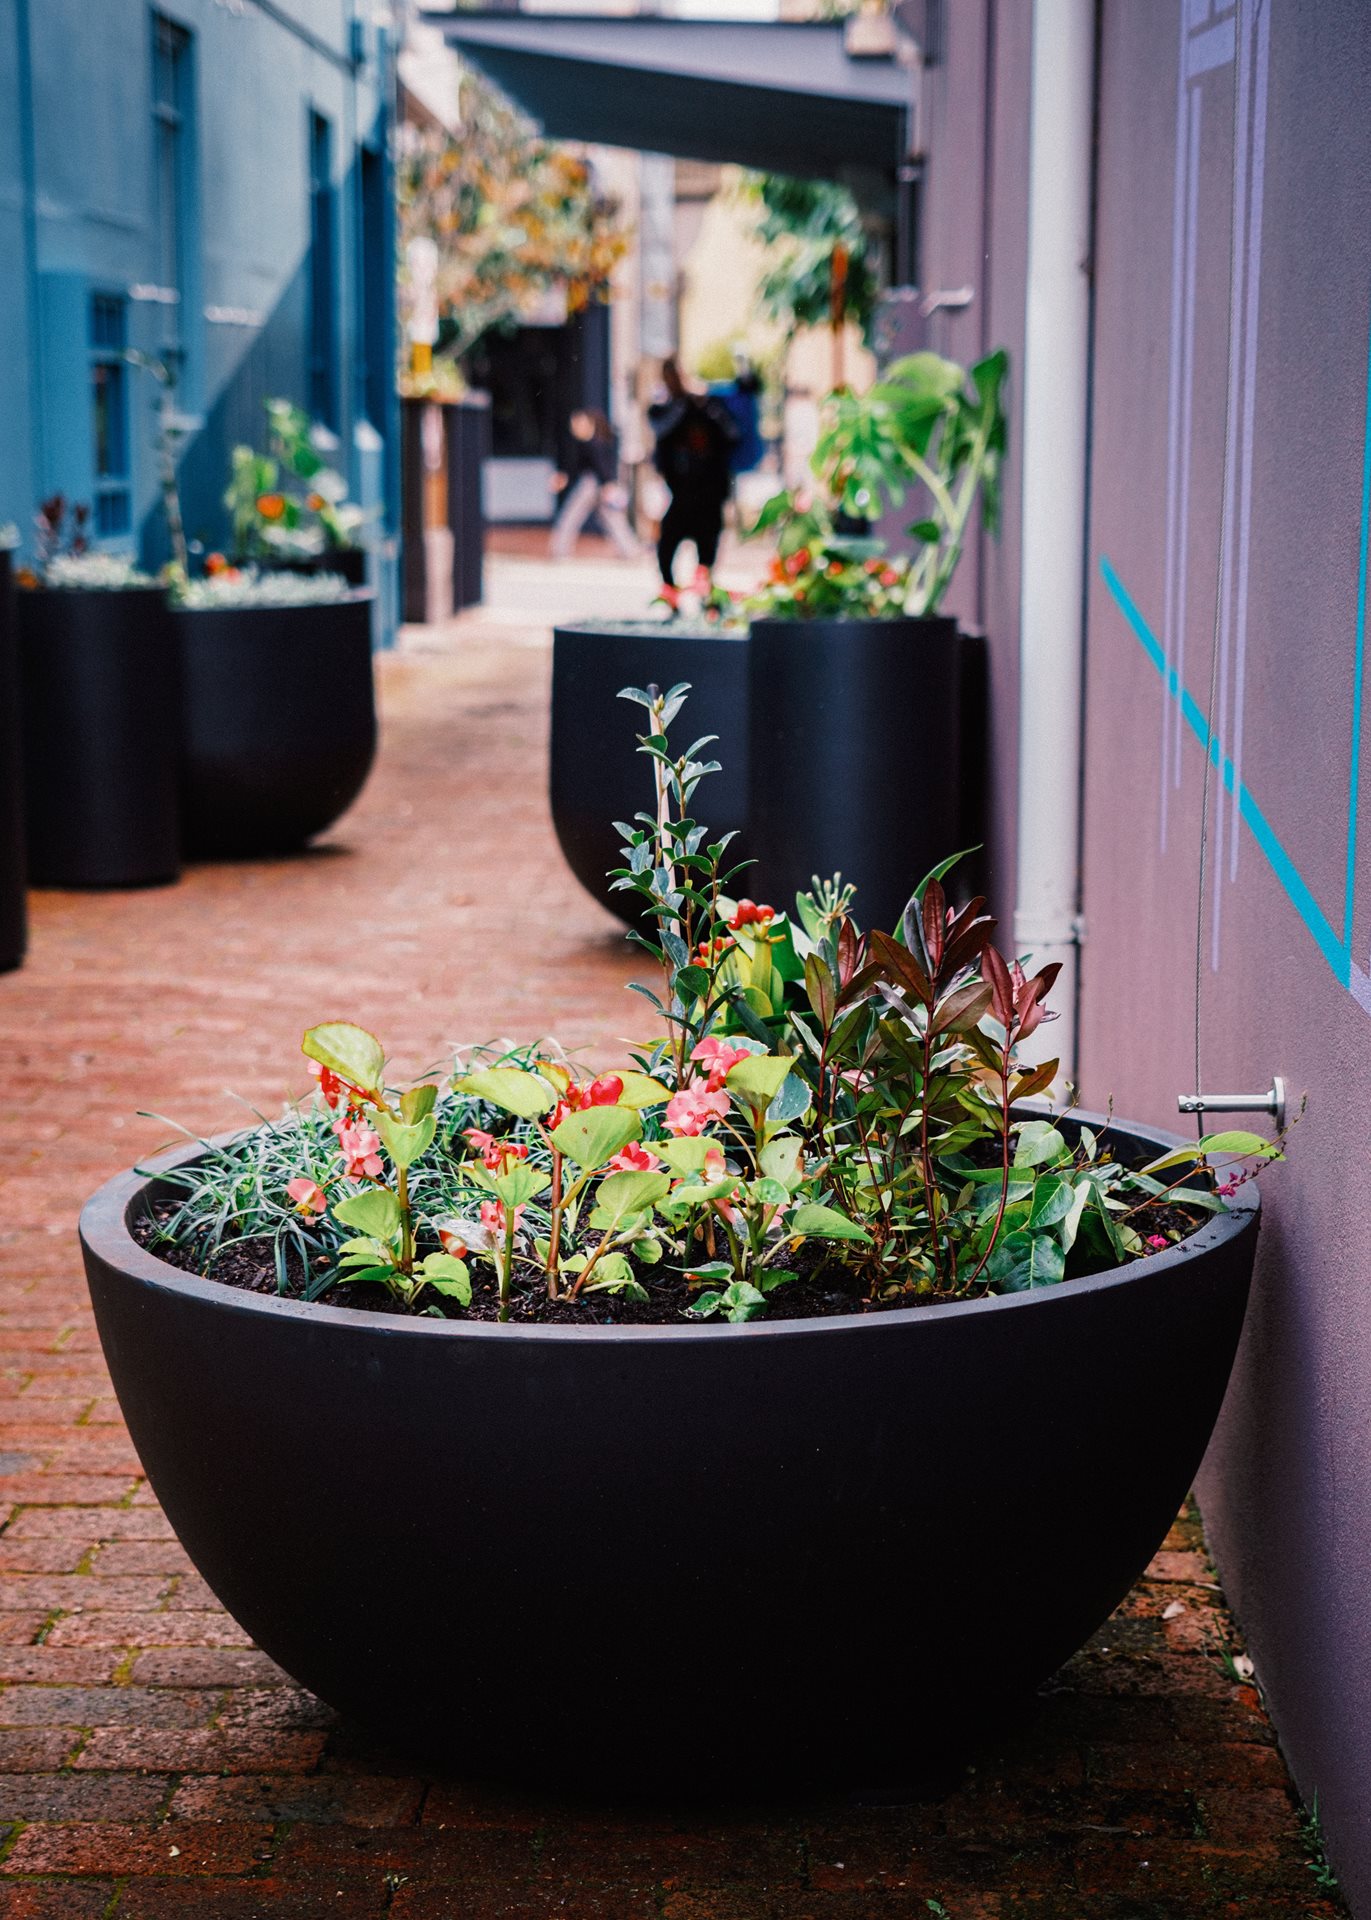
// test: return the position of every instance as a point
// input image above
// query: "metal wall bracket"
(1272, 1102)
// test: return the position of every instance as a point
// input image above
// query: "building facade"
(205, 182)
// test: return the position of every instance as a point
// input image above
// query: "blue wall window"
(323, 275)
(112, 509)
(172, 100)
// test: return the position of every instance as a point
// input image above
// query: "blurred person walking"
(695, 436)
(591, 485)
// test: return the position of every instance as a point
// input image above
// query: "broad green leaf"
(375, 1212)
(513, 1089)
(790, 1102)
(1243, 1146)
(641, 1090)
(783, 1159)
(1025, 1260)
(769, 1193)
(613, 1274)
(1053, 1199)
(775, 1277)
(686, 1155)
(1071, 1222)
(404, 1143)
(825, 1223)
(710, 1270)
(449, 1275)
(699, 1196)
(417, 1104)
(519, 1183)
(369, 1251)
(351, 1052)
(1039, 1144)
(757, 1080)
(382, 1275)
(742, 1301)
(596, 1134)
(621, 1194)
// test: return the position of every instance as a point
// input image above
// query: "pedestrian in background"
(591, 485)
(695, 437)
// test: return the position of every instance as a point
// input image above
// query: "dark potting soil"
(822, 1287)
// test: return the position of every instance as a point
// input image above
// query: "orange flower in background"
(271, 505)
(315, 502)
(215, 563)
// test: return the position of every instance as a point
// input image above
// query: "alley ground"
(151, 1762)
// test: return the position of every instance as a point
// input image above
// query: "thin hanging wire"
(1211, 745)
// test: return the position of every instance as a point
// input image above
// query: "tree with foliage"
(824, 272)
(513, 216)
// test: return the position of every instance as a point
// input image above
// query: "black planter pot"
(13, 865)
(597, 774)
(280, 722)
(101, 737)
(868, 743)
(349, 562)
(830, 1550)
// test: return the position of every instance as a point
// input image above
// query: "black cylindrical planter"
(822, 1550)
(13, 865)
(859, 732)
(349, 562)
(280, 722)
(469, 430)
(598, 775)
(101, 727)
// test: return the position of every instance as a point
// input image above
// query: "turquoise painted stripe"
(1335, 950)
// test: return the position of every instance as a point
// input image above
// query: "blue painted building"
(210, 180)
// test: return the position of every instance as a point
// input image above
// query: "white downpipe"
(1056, 369)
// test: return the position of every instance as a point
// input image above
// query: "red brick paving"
(153, 1766)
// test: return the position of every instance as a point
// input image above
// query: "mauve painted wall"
(1286, 1490)
(975, 234)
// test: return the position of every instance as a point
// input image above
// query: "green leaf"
(351, 1052)
(375, 1213)
(790, 1102)
(707, 1304)
(404, 1143)
(613, 1274)
(742, 1301)
(449, 1275)
(519, 1183)
(711, 1270)
(1039, 1144)
(1243, 1146)
(621, 1194)
(825, 1223)
(641, 1090)
(418, 1103)
(514, 1089)
(365, 1251)
(775, 1277)
(596, 1134)
(1053, 1199)
(686, 1155)
(783, 1159)
(382, 1275)
(1025, 1260)
(757, 1080)
(692, 983)
(768, 1193)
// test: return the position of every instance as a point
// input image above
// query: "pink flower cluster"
(635, 1158)
(361, 1150)
(497, 1156)
(718, 1058)
(691, 1110)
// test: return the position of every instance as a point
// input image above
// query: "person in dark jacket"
(591, 485)
(695, 437)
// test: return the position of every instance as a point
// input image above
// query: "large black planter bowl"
(598, 775)
(13, 864)
(101, 725)
(864, 734)
(824, 1551)
(280, 723)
